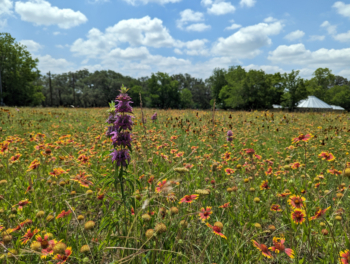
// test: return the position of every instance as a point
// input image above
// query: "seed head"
(257, 225)
(146, 217)
(257, 200)
(40, 214)
(36, 246)
(149, 233)
(89, 225)
(7, 239)
(219, 224)
(160, 228)
(59, 248)
(183, 223)
(271, 228)
(174, 210)
(80, 217)
(85, 248)
(49, 218)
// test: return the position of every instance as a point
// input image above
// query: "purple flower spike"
(229, 135)
(154, 117)
(122, 157)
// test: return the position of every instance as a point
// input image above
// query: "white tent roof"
(276, 106)
(313, 102)
(335, 107)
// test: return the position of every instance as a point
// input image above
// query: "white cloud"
(140, 53)
(331, 29)
(248, 3)
(177, 51)
(56, 33)
(343, 37)
(206, 2)
(189, 16)
(5, 7)
(59, 46)
(315, 37)
(40, 12)
(31, 45)
(270, 19)
(298, 34)
(297, 54)
(145, 2)
(47, 63)
(221, 8)
(233, 27)
(246, 42)
(137, 32)
(342, 8)
(266, 68)
(198, 27)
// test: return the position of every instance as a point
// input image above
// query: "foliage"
(18, 72)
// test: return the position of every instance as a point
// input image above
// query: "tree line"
(22, 84)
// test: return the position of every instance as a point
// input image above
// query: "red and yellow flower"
(302, 137)
(326, 156)
(28, 235)
(15, 158)
(264, 185)
(64, 257)
(189, 198)
(63, 214)
(205, 213)
(21, 204)
(278, 246)
(276, 208)
(229, 171)
(225, 205)
(344, 257)
(319, 213)
(296, 201)
(298, 216)
(33, 165)
(216, 230)
(263, 249)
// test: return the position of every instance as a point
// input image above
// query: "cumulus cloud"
(5, 7)
(330, 29)
(248, 3)
(266, 68)
(343, 37)
(145, 2)
(298, 34)
(246, 42)
(297, 54)
(31, 45)
(189, 15)
(40, 12)
(233, 27)
(315, 38)
(342, 8)
(221, 8)
(47, 63)
(198, 27)
(178, 51)
(270, 19)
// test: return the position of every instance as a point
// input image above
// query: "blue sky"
(141, 37)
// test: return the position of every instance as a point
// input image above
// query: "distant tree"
(18, 74)
(217, 81)
(186, 98)
(294, 89)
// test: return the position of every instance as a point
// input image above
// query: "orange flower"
(15, 158)
(345, 257)
(334, 172)
(319, 213)
(21, 204)
(263, 248)
(225, 205)
(264, 185)
(302, 137)
(216, 230)
(295, 165)
(33, 165)
(298, 216)
(205, 213)
(81, 177)
(63, 214)
(57, 171)
(28, 235)
(278, 246)
(189, 198)
(64, 258)
(296, 201)
(163, 186)
(326, 156)
(269, 171)
(276, 208)
(229, 171)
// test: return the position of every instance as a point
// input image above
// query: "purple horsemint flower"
(122, 157)
(110, 129)
(154, 117)
(123, 122)
(121, 139)
(229, 135)
(123, 107)
(111, 118)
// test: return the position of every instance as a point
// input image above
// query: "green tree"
(217, 81)
(321, 82)
(186, 98)
(18, 74)
(294, 88)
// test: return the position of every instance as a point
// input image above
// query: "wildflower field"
(196, 187)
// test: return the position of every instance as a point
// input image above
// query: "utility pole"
(50, 87)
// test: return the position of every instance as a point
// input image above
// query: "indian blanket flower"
(298, 216)
(28, 235)
(264, 185)
(15, 158)
(163, 186)
(302, 137)
(229, 171)
(229, 136)
(263, 249)
(225, 205)
(205, 213)
(278, 246)
(21, 204)
(334, 172)
(63, 214)
(296, 201)
(33, 165)
(216, 230)
(319, 213)
(249, 151)
(189, 198)
(276, 208)
(64, 257)
(327, 156)
(57, 171)
(344, 257)
(82, 178)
